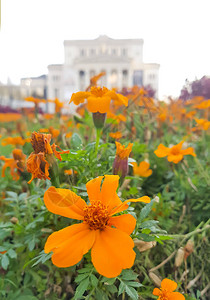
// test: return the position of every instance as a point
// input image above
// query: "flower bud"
(155, 279)
(99, 119)
(120, 165)
(144, 246)
(179, 257)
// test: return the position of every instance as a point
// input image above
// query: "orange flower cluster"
(142, 170)
(18, 140)
(166, 292)
(37, 163)
(98, 99)
(105, 234)
(174, 154)
(18, 162)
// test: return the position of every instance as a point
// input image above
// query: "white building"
(121, 59)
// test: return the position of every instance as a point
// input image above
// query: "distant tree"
(198, 87)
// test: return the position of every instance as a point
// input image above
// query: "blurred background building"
(120, 59)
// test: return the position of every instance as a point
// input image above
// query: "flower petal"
(64, 202)
(94, 188)
(162, 151)
(99, 104)
(176, 296)
(70, 244)
(175, 158)
(112, 252)
(156, 292)
(79, 97)
(188, 151)
(109, 187)
(168, 284)
(124, 204)
(125, 223)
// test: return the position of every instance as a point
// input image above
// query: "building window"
(92, 52)
(124, 52)
(151, 76)
(125, 78)
(55, 93)
(82, 52)
(82, 80)
(56, 78)
(138, 77)
(114, 51)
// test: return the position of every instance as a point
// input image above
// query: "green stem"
(98, 134)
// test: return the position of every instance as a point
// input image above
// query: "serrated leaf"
(121, 288)
(111, 288)
(81, 277)
(82, 287)
(94, 280)
(12, 253)
(145, 211)
(131, 292)
(4, 261)
(12, 194)
(129, 275)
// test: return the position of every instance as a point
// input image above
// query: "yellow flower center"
(175, 150)
(96, 215)
(98, 91)
(164, 295)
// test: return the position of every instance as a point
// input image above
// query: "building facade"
(120, 59)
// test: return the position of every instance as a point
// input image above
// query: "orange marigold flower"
(40, 160)
(15, 163)
(54, 132)
(41, 142)
(38, 166)
(9, 117)
(115, 135)
(166, 291)
(142, 170)
(18, 140)
(70, 172)
(20, 159)
(174, 154)
(98, 99)
(203, 123)
(122, 151)
(105, 234)
(9, 163)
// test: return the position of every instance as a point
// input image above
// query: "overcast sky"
(176, 34)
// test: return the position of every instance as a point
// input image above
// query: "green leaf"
(82, 287)
(129, 275)
(121, 288)
(76, 141)
(145, 211)
(4, 261)
(131, 292)
(149, 224)
(111, 288)
(94, 280)
(12, 253)
(81, 277)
